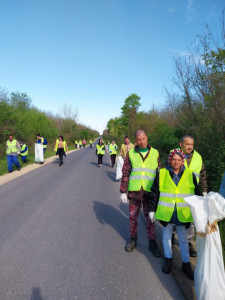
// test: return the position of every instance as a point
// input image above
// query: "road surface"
(62, 236)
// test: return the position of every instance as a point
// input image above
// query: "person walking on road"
(100, 151)
(166, 203)
(112, 152)
(194, 162)
(139, 171)
(12, 151)
(61, 148)
(84, 143)
(23, 151)
(125, 147)
(80, 143)
(90, 142)
(76, 144)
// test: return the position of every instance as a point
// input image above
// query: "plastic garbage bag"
(39, 153)
(209, 273)
(119, 167)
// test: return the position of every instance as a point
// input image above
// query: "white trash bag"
(209, 273)
(119, 167)
(39, 153)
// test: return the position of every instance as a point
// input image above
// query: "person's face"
(113, 142)
(187, 145)
(142, 140)
(11, 137)
(60, 139)
(126, 141)
(176, 162)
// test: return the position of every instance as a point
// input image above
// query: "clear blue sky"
(93, 54)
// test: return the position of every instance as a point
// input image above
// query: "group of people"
(161, 193)
(15, 148)
(79, 143)
(112, 149)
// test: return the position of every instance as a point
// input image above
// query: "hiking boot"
(154, 248)
(192, 251)
(186, 268)
(131, 245)
(167, 265)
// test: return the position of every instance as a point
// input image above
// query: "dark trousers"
(100, 156)
(113, 159)
(61, 153)
(134, 210)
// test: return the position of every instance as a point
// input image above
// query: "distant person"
(12, 151)
(100, 151)
(90, 142)
(80, 143)
(41, 140)
(76, 144)
(61, 148)
(112, 152)
(84, 143)
(139, 171)
(23, 152)
(125, 147)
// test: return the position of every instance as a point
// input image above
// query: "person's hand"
(204, 194)
(152, 216)
(123, 197)
(18, 152)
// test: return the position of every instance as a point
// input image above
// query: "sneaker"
(131, 245)
(154, 248)
(98, 166)
(18, 169)
(167, 265)
(186, 268)
(192, 251)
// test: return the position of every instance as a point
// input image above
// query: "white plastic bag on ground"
(209, 272)
(119, 167)
(39, 153)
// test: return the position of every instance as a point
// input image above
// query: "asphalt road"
(62, 236)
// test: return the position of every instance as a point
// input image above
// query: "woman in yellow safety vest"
(100, 151)
(171, 185)
(61, 148)
(112, 152)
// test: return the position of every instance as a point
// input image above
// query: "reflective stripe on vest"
(11, 147)
(100, 150)
(171, 195)
(23, 148)
(195, 165)
(143, 173)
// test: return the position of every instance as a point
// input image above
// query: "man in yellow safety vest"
(12, 151)
(193, 161)
(139, 171)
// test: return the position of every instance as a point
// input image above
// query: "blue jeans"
(12, 160)
(182, 238)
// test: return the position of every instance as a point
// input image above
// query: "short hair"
(137, 132)
(38, 134)
(10, 134)
(186, 136)
(126, 137)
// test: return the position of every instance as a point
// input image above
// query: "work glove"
(152, 216)
(123, 197)
(18, 152)
(204, 194)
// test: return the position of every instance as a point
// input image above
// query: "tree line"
(194, 106)
(19, 117)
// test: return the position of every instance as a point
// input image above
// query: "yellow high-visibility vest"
(171, 195)
(143, 173)
(195, 165)
(100, 149)
(11, 147)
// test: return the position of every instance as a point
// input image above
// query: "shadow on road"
(112, 175)
(36, 294)
(119, 220)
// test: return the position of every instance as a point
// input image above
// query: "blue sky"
(92, 54)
